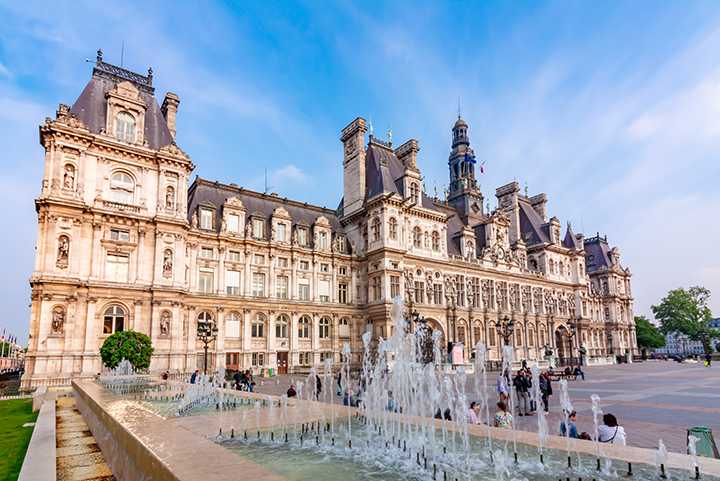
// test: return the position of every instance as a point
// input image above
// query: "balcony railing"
(119, 206)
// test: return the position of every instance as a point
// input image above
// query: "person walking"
(318, 387)
(193, 378)
(503, 419)
(708, 359)
(545, 390)
(522, 388)
(502, 386)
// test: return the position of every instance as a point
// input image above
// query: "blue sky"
(611, 108)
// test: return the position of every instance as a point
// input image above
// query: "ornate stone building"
(126, 242)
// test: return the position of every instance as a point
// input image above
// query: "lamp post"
(505, 329)
(570, 334)
(207, 333)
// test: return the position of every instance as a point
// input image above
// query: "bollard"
(424, 462)
(317, 440)
(232, 433)
(444, 475)
(434, 470)
(245, 435)
(662, 471)
(286, 437)
(417, 458)
(220, 432)
(258, 434)
(697, 472)
(569, 462)
(629, 473)
(272, 436)
(332, 441)
(598, 464)
(542, 459)
(350, 443)
(404, 446)
(515, 456)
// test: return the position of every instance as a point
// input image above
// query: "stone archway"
(435, 325)
(562, 343)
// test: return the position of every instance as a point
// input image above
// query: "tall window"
(394, 286)
(122, 187)
(258, 284)
(116, 267)
(376, 288)
(491, 335)
(125, 127)
(113, 319)
(323, 290)
(233, 223)
(233, 256)
(205, 282)
(232, 325)
(344, 328)
(435, 241)
(392, 224)
(304, 327)
(302, 236)
(304, 290)
(281, 327)
(419, 292)
(322, 241)
(324, 328)
(281, 287)
(437, 294)
(258, 228)
(206, 219)
(342, 293)
(281, 232)
(232, 282)
(258, 359)
(257, 328)
(417, 237)
(414, 191)
(375, 229)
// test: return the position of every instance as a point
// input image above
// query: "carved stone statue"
(248, 230)
(63, 252)
(165, 323)
(167, 264)
(58, 320)
(170, 199)
(194, 220)
(69, 177)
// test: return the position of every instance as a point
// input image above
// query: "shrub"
(131, 345)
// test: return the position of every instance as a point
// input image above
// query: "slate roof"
(596, 253)
(570, 241)
(533, 228)
(91, 106)
(214, 194)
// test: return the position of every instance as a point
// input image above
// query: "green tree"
(648, 336)
(131, 345)
(686, 311)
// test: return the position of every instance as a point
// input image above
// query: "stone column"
(175, 336)
(220, 341)
(96, 251)
(221, 271)
(315, 336)
(90, 337)
(140, 256)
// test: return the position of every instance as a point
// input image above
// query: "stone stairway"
(78, 456)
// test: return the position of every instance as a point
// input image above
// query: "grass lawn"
(14, 438)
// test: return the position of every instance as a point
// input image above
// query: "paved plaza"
(652, 400)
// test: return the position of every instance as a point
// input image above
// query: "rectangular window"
(376, 285)
(325, 355)
(419, 292)
(259, 259)
(119, 235)
(394, 286)
(206, 252)
(205, 282)
(233, 223)
(281, 232)
(232, 326)
(234, 256)
(302, 235)
(322, 240)
(437, 294)
(304, 291)
(232, 282)
(324, 267)
(206, 217)
(258, 284)
(258, 359)
(283, 262)
(258, 228)
(116, 267)
(324, 290)
(305, 358)
(304, 266)
(342, 293)
(281, 287)
(461, 291)
(231, 359)
(342, 271)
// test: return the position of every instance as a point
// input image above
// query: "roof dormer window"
(125, 127)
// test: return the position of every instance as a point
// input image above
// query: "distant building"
(680, 344)
(127, 241)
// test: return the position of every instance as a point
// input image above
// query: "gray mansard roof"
(596, 253)
(91, 106)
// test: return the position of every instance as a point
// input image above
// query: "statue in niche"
(69, 177)
(63, 252)
(248, 229)
(170, 198)
(58, 320)
(167, 264)
(165, 323)
(194, 221)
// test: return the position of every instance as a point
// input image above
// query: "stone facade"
(125, 242)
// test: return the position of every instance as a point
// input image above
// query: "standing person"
(503, 419)
(708, 359)
(249, 381)
(545, 389)
(609, 429)
(579, 372)
(291, 392)
(572, 431)
(193, 378)
(237, 377)
(474, 413)
(521, 390)
(318, 386)
(339, 383)
(501, 385)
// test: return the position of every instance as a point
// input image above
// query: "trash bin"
(705, 445)
(271, 372)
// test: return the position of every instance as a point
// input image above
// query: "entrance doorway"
(282, 362)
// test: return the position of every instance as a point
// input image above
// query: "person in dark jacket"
(193, 378)
(545, 389)
(522, 388)
(318, 386)
(291, 392)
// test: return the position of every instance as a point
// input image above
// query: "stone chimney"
(169, 110)
(353, 139)
(407, 154)
(539, 203)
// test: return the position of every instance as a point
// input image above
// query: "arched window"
(552, 266)
(344, 329)
(281, 326)
(125, 127)
(122, 187)
(491, 335)
(114, 319)
(561, 268)
(324, 328)
(533, 265)
(304, 327)
(435, 241)
(417, 237)
(376, 229)
(415, 192)
(257, 329)
(170, 197)
(518, 337)
(531, 337)
(392, 224)
(205, 318)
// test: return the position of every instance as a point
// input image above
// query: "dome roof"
(460, 123)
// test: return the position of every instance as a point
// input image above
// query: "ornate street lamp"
(207, 333)
(505, 329)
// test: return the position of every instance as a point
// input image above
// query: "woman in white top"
(609, 431)
(473, 413)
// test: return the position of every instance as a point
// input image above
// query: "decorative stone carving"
(165, 320)
(58, 320)
(63, 253)
(69, 177)
(170, 198)
(167, 264)
(194, 220)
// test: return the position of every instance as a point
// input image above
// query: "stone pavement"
(78, 456)
(652, 400)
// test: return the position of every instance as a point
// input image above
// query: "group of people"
(244, 380)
